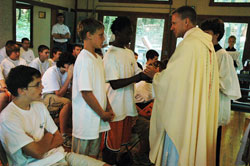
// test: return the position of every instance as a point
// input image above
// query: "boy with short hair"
(77, 48)
(231, 43)
(152, 57)
(56, 52)
(3, 53)
(42, 63)
(25, 52)
(27, 132)
(13, 59)
(55, 90)
(121, 73)
(91, 108)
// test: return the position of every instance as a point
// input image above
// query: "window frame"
(224, 4)
(139, 1)
(24, 6)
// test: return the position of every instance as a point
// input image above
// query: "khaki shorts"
(54, 103)
(86, 147)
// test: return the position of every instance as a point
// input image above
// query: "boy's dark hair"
(88, 25)
(59, 14)
(214, 24)
(186, 12)
(151, 54)
(65, 58)
(25, 39)
(42, 47)
(20, 77)
(119, 24)
(54, 51)
(10, 42)
(233, 37)
(160, 65)
(77, 45)
(12, 47)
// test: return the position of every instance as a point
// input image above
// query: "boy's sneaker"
(66, 140)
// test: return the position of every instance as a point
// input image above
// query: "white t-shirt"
(16, 123)
(88, 76)
(120, 63)
(7, 64)
(41, 66)
(52, 80)
(61, 29)
(1, 74)
(28, 56)
(143, 92)
(3, 54)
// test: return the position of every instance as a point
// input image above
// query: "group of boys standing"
(184, 120)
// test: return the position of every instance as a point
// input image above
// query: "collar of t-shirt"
(15, 62)
(91, 55)
(217, 47)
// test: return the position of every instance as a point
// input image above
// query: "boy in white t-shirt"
(121, 72)
(55, 92)
(42, 63)
(13, 59)
(25, 52)
(91, 108)
(56, 53)
(27, 132)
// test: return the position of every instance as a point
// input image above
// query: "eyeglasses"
(39, 84)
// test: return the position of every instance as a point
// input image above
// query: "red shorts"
(119, 134)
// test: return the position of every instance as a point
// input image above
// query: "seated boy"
(54, 92)
(4, 94)
(77, 48)
(152, 56)
(42, 63)
(27, 132)
(26, 53)
(13, 59)
(56, 52)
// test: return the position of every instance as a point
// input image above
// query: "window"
(239, 30)
(23, 22)
(139, 1)
(107, 21)
(232, 1)
(241, 3)
(149, 35)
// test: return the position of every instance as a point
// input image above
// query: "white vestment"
(229, 85)
(187, 102)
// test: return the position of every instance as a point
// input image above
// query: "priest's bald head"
(183, 19)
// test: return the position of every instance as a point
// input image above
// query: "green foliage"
(23, 28)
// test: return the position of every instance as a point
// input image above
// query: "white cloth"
(120, 63)
(186, 102)
(236, 57)
(52, 80)
(1, 74)
(60, 29)
(88, 76)
(7, 64)
(229, 85)
(41, 66)
(28, 56)
(16, 123)
(143, 92)
(3, 54)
